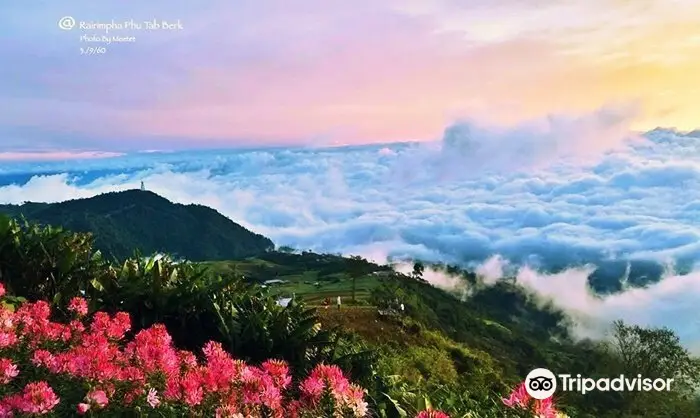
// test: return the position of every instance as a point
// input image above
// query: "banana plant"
(45, 262)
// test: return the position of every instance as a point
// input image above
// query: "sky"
(513, 135)
(330, 72)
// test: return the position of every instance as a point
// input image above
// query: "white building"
(274, 281)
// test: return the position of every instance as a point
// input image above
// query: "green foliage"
(652, 353)
(460, 356)
(195, 305)
(198, 307)
(501, 332)
(418, 269)
(46, 262)
(286, 249)
(158, 290)
(458, 400)
(357, 267)
(256, 327)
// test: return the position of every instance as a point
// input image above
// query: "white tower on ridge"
(143, 187)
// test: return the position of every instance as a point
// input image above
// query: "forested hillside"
(124, 222)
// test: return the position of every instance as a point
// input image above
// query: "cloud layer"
(555, 195)
(671, 302)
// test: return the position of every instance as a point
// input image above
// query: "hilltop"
(136, 220)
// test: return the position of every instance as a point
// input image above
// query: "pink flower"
(97, 397)
(33, 322)
(153, 351)
(330, 379)
(5, 410)
(312, 388)
(228, 411)
(355, 398)
(8, 370)
(270, 395)
(7, 339)
(152, 398)
(44, 358)
(83, 408)
(187, 359)
(325, 376)
(36, 398)
(279, 371)
(518, 398)
(221, 385)
(113, 328)
(2, 290)
(7, 320)
(173, 390)
(79, 306)
(545, 408)
(192, 391)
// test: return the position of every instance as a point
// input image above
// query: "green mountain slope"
(460, 354)
(123, 222)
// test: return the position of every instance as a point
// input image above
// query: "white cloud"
(579, 193)
(437, 278)
(492, 269)
(469, 150)
(672, 302)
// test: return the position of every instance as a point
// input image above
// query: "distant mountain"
(125, 221)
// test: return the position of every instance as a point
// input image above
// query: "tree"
(418, 269)
(652, 353)
(390, 290)
(356, 268)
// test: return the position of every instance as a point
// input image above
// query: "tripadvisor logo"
(542, 383)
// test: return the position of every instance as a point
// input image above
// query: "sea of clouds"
(550, 200)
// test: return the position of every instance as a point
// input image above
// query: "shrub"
(89, 366)
(45, 262)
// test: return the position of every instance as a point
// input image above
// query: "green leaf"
(66, 262)
(8, 306)
(396, 408)
(15, 299)
(424, 403)
(97, 285)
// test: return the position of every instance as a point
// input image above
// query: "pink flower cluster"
(36, 398)
(149, 372)
(330, 379)
(520, 399)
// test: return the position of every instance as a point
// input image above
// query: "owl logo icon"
(540, 383)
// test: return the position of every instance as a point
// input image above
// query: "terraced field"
(312, 277)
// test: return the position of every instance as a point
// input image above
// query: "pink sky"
(334, 72)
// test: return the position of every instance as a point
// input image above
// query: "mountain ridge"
(141, 220)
